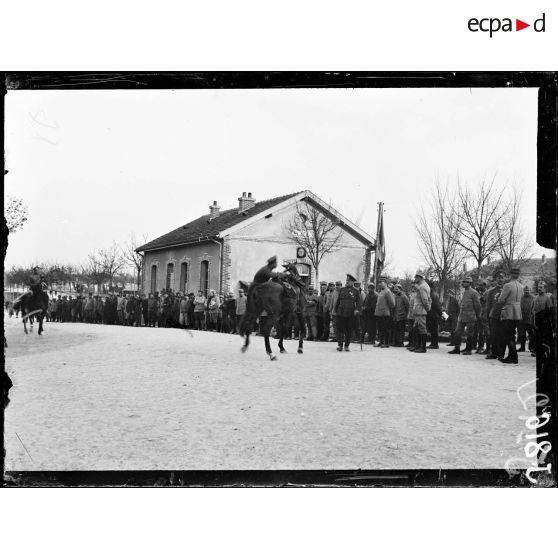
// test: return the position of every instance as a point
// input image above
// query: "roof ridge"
(212, 226)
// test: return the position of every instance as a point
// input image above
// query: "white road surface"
(109, 397)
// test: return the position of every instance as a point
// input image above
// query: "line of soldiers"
(488, 317)
(494, 315)
(167, 309)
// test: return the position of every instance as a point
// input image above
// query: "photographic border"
(547, 84)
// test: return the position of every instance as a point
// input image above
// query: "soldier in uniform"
(482, 325)
(266, 272)
(469, 315)
(36, 281)
(508, 306)
(421, 305)
(494, 342)
(348, 306)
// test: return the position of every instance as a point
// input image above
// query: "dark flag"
(380, 243)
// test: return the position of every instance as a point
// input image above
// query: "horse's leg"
(25, 325)
(281, 327)
(41, 318)
(244, 347)
(268, 346)
(266, 330)
(301, 332)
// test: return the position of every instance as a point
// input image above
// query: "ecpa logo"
(492, 25)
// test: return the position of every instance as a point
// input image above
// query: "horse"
(275, 304)
(31, 305)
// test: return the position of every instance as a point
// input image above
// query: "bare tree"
(94, 271)
(132, 258)
(315, 232)
(111, 262)
(438, 230)
(15, 213)
(478, 216)
(514, 245)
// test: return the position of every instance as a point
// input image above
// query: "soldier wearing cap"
(526, 324)
(469, 315)
(508, 306)
(385, 304)
(333, 304)
(320, 310)
(368, 310)
(452, 310)
(36, 281)
(494, 344)
(348, 306)
(326, 316)
(358, 324)
(482, 325)
(421, 305)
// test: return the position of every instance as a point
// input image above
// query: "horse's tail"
(252, 311)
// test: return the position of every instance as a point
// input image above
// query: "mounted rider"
(36, 281)
(265, 273)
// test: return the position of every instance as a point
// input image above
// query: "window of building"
(204, 276)
(170, 276)
(184, 269)
(153, 278)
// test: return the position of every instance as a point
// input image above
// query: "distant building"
(223, 249)
(531, 270)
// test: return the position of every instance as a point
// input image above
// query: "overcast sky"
(93, 166)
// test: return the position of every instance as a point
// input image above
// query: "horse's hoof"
(282, 350)
(299, 351)
(243, 349)
(272, 357)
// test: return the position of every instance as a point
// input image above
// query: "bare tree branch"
(513, 247)
(315, 232)
(438, 231)
(478, 218)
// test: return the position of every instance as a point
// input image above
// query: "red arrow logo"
(519, 25)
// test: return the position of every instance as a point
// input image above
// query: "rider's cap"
(419, 274)
(350, 278)
(467, 280)
(331, 284)
(273, 260)
(323, 282)
(515, 269)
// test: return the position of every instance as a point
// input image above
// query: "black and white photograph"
(272, 275)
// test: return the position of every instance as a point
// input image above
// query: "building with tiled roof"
(223, 249)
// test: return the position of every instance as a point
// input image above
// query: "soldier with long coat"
(348, 305)
(494, 345)
(509, 307)
(469, 315)
(421, 305)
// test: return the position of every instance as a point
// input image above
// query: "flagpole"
(380, 216)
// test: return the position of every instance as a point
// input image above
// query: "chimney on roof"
(246, 202)
(214, 210)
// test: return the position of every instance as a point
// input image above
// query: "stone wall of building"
(192, 256)
(253, 245)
